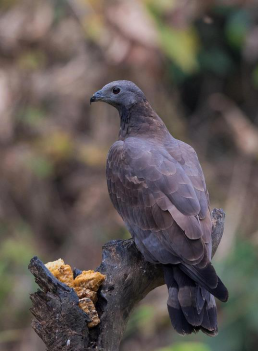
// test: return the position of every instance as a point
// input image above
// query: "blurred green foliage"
(16, 250)
(139, 319)
(40, 165)
(179, 45)
(187, 346)
(31, 60)
(236, 28)
(31, 115)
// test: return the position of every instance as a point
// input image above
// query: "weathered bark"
(62, 325)
(59, 321)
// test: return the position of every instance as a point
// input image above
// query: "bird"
(157, 185)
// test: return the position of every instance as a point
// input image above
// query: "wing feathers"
(162, 197)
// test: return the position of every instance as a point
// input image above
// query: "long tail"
(191, 306)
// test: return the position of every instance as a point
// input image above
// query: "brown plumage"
(157, 185)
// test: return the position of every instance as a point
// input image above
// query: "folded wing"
(163, 203)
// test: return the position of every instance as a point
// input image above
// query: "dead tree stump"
(62, 324)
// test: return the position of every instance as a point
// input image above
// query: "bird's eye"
(116, 90)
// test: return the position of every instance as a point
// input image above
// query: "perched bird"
(156, 184)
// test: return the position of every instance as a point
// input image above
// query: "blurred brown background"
(197, 62)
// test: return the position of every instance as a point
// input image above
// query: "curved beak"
(96, 96)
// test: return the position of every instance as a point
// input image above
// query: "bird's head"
(120, 94)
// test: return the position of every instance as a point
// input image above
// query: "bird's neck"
(140, 120)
